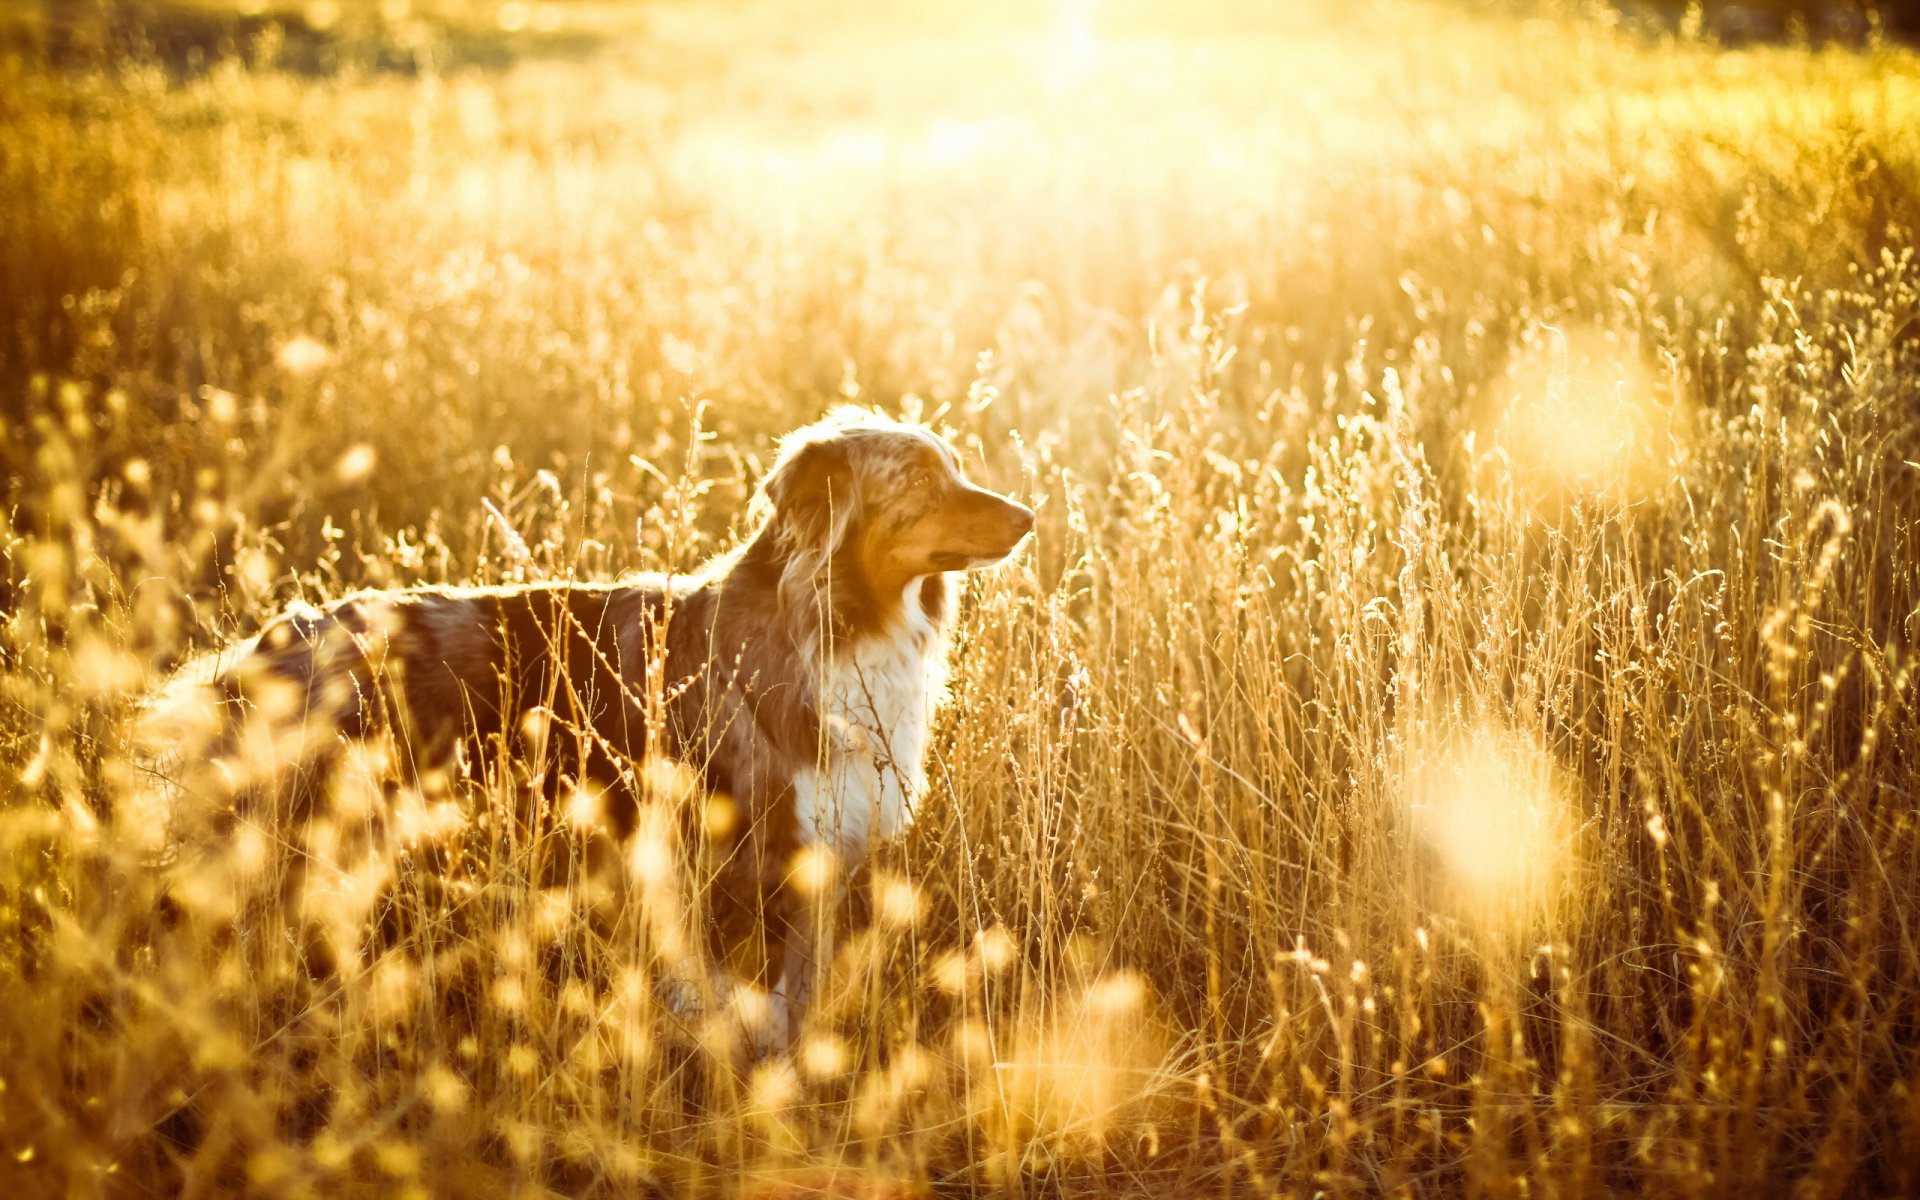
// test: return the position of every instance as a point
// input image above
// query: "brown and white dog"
(796, 674)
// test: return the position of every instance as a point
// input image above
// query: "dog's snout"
(1015, 516)
(1020, 517)
(992, 527)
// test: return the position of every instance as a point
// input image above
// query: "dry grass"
(1455, 734)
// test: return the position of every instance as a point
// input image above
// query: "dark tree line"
(1776, 19)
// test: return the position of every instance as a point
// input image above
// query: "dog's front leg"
(807, 952)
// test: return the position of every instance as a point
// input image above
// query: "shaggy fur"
(796, 675)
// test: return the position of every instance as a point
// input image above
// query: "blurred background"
(393, 35)
(1453, 732)
(459, 226)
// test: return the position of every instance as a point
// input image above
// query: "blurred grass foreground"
(1455, 734)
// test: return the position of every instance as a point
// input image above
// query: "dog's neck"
(871, 664)
(878, 694)
(831, 607)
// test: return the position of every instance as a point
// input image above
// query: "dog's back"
(793, 677)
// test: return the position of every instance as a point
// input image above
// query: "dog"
(795, 675)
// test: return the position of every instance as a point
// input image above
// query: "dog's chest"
(878, 704)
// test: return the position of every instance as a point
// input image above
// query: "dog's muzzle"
(991, 526)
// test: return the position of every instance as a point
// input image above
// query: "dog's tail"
(256, 714)
(177, 731)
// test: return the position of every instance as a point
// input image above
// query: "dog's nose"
(1020, 517)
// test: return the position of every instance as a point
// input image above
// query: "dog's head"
(890, 498)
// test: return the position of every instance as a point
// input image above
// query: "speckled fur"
(800, 671)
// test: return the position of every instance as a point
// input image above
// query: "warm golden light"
(1093, 1067)
(357, 464)
(1074, 48)
(1497, 811)
(897, 902)
(813, 870)
(1450, 722)
(585, 806)
(302, 355)
(1582, 418)
(653, 855)
(824, 1055)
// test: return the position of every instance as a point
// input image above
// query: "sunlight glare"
(652, 855)
(1495, 809)
(813, 870)
(1581, 419)
(321, 14)
(302, 355)
(949, 143)
(1093, 1067)
(1074, 47)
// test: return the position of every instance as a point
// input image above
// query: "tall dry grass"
(1454, 733)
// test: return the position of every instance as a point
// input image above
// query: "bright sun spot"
(1496, 809)
(1581, 418)
(302, 355)
(1081, 1075)
(1074, 47)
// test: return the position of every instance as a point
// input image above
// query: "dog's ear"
(812, 493)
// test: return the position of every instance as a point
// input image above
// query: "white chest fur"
(878, 702)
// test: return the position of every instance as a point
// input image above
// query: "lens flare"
(1074, 47)
(1497, 811)
(813, 870)
(357, 464)
(653, 854)
(302, 355)
(1076, 1077)
(1582, 419)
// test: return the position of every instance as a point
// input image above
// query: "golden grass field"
(1454, 733)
